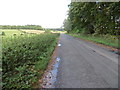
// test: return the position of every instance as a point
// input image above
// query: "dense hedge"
(25, 58)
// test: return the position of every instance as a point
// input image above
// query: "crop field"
(33, 31)
(41, 31)
(25, 57)
(9, 32)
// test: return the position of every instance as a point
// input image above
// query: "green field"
(25, 57)
(9, 32)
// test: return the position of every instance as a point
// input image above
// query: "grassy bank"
(103, 39)
(25, 57)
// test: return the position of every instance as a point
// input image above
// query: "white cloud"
(47, 13)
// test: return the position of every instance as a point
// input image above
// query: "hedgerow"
(24, 59)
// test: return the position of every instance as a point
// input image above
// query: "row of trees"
(93, 18)
(35, 27)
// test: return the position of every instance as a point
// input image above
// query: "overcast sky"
(47, 13)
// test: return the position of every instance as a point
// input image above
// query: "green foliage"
(67, 25)
(11, 32)
(91, 17)
(24, 59)
(107, 39)
(47, 31)
(33, 27)
(3, 33)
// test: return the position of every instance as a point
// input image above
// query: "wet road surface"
(85, 65)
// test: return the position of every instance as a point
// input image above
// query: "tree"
(91, 17)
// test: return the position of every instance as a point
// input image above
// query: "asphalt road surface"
(85, 65)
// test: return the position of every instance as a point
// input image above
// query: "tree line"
(93, 18)
(33, 27)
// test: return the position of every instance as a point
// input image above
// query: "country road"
(85, 65)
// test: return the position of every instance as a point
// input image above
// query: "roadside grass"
(25, 57)
(102, 39)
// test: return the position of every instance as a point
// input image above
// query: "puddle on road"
(59, 45)
(50, 78)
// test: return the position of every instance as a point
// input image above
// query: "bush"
(3, 33)
(21, 56)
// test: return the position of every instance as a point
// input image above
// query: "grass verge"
(102, 39)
